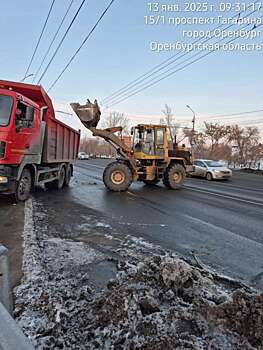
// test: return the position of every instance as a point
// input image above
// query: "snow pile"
(163, 303)
(167, 304)
(155, 303)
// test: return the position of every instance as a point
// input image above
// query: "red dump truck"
(35, 147)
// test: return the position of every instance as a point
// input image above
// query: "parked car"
(211, 170)
(83, 155)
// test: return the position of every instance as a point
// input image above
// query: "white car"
(211, 170)
(83, 155)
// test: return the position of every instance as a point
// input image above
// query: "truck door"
(25, 128)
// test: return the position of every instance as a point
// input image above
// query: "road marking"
(231, 235)
(222, 195)
(93, 165)
(132, 194)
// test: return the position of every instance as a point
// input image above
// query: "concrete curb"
(5, 283)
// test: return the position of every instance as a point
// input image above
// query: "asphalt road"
(221, 223)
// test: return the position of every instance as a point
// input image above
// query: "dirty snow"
(155, 303)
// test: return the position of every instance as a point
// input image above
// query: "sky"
(119, 51)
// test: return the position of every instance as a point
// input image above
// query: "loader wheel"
(174, 176)
(24, 185)
(151, 182)
(117, 177)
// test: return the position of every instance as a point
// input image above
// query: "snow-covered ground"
(155, 301)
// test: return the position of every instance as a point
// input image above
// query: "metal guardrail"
(11, 336)
(5, 284)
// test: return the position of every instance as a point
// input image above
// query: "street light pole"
(193, 129)
(194, 117)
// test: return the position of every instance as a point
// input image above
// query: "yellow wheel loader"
(149, 159)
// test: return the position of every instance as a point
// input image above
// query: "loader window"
(138, 140)
(159, 137)
(24, 116)
(6, 103)
(149, 143)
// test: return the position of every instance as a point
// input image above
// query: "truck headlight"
(2, 149)
(3, 180)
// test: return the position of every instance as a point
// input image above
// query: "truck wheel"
(24, 185)
(151, 182)
(68, 176)
(57, 184)
(117, 177)
(174, 176)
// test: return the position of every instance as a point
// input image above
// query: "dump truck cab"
(19, 126)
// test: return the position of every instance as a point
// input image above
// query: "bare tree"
(215, 133)
(247, 142)
(117, 119)
(168, 120)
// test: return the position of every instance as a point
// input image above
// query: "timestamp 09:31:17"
(204, 7)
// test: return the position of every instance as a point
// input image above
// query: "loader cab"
(149, 141)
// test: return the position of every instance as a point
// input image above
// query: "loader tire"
(24, 186)
(174, 176)
(151, 182)
(117, 177)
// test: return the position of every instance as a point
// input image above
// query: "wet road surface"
(221, 223)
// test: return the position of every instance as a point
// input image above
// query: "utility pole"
(193, 129)
(194, 117)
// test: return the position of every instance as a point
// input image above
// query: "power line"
(164, 64)
(115, 100)
(161, 74)
(125, 97)
(82, 44)
(235, 114)
(54, 38)
(61, 41)
(40, 37)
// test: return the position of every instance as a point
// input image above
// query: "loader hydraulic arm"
(109, 136)
(89, 114)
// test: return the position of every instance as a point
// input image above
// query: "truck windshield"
(5, 109)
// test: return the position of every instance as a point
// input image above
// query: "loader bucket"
(89, 114)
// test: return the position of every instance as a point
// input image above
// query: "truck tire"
(117, 177)
(151, 182)
(174, 176)
(59, 183)
(24, 186)
(68, 176)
